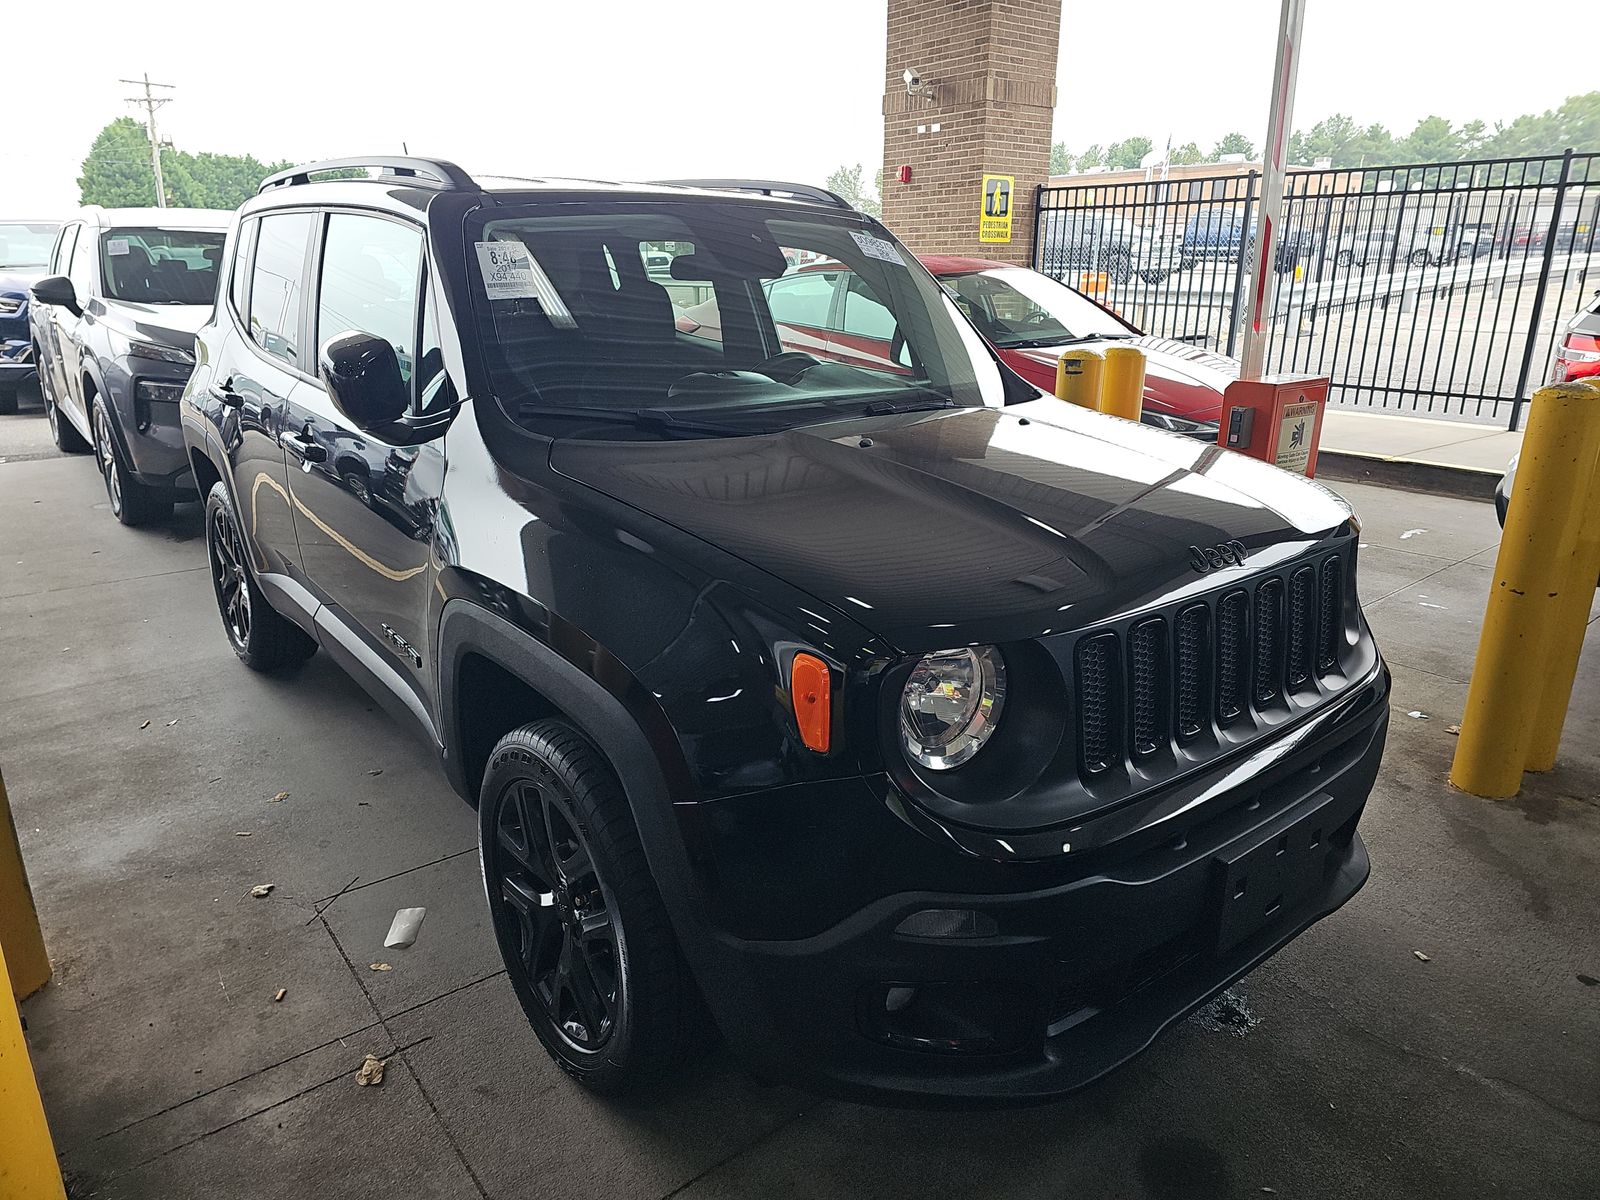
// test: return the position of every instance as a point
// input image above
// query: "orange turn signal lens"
(811, 688)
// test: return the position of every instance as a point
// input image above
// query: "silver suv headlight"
(952, 704)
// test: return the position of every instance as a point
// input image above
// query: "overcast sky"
(634, 90)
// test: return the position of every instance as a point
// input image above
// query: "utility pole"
(150, 102)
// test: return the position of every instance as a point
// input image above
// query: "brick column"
(989, 67)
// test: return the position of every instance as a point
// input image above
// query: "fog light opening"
(948, 923)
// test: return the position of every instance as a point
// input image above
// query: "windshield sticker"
(511, 273)
(116, 246)
(876, 247)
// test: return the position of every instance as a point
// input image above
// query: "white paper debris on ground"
(371, 1073)
(262, 890)
(1411, 533)
(277, 997)
(404, 929)
(1425, 604)
(1419, 715)
(1421, 957)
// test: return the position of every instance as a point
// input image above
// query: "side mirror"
(362, 374)
(57, 289)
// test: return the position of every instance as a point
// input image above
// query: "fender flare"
(468, 628)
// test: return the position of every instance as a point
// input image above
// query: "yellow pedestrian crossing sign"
(994, 224)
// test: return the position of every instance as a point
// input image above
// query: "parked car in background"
(1217, 233)
(1096, 240)
(113, 327)
(1026, 316)
(913, 727)
(1577, 357)
(24, 256)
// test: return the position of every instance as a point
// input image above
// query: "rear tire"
(62, 431)
(260, 636)
(577, 915)
(133, 503)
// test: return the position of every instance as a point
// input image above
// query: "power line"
(150, 102)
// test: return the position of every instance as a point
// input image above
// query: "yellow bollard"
(1122, 393)
(1078, 374)
(28, 1166)
(1566, 632)
(1531, 576)
(19, 921)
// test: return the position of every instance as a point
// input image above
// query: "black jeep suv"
(934, 738)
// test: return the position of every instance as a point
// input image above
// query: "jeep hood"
(970, 525)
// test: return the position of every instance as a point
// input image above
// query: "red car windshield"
(1014, 307)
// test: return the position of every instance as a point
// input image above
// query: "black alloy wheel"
(261, 636)
(132, 502)
(228, 576)
(67, 439)
(579, 921)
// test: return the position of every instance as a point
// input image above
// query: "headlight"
(155, 389)
(159, 353)
(951, 705)
(10, 305)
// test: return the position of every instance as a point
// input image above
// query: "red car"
(1029, 318)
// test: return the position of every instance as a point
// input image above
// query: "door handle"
(303, 446)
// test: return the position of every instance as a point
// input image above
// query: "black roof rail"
(765, 187)
(436, 172)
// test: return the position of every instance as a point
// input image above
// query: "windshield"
(1015, 307)
(26, 245)
(697, 318)
(161, 266)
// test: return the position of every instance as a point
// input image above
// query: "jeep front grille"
(1245, 653)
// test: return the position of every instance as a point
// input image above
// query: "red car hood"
(1184, 380)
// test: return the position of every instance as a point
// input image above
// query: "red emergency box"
(1277, 419)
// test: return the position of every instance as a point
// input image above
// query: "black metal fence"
(1438, 288)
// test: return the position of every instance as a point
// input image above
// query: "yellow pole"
(1531, 575)
(1122, 394)
(28, 1166)
(1566, 631)
(1078, 374)
(19, 921)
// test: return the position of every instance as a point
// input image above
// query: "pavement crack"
(327, 901)
(760, 1139)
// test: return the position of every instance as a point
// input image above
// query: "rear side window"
(864, 314)
(81, 272)
(63, 254)
(371, 281)
(275, 284)
(802, 299)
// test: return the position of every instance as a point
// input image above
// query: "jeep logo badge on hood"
(1209, 558)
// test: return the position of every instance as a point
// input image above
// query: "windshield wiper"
(1076, 340)
(650, 418)
(887, 408)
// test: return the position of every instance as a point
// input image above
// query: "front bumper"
(1064, 979)
(16, 361)
(151, 433)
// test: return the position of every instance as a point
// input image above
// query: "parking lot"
(1440, 1035)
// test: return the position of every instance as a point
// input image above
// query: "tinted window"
(161, 266)
(371, 270)
(802, 299)
(239, 285)
(275, 283)
(864, 316)
(434, 393)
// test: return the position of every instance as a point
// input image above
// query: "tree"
(1091, 159)
(1234, 143)
(1433, 140)
(117, 173)
(1187, 154)
(845, 182)
(1060, 160)
(1128, 155)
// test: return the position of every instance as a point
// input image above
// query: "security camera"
(913, 79)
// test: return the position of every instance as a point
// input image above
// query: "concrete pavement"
(138, 751)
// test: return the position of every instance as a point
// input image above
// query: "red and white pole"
(1257, 315)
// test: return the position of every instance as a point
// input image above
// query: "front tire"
(577, 915)
(62, 431)
(260, 636)
(132, 502)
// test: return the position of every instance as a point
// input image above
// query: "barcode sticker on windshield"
(876, 247)
(116, 245)
(510, 273)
